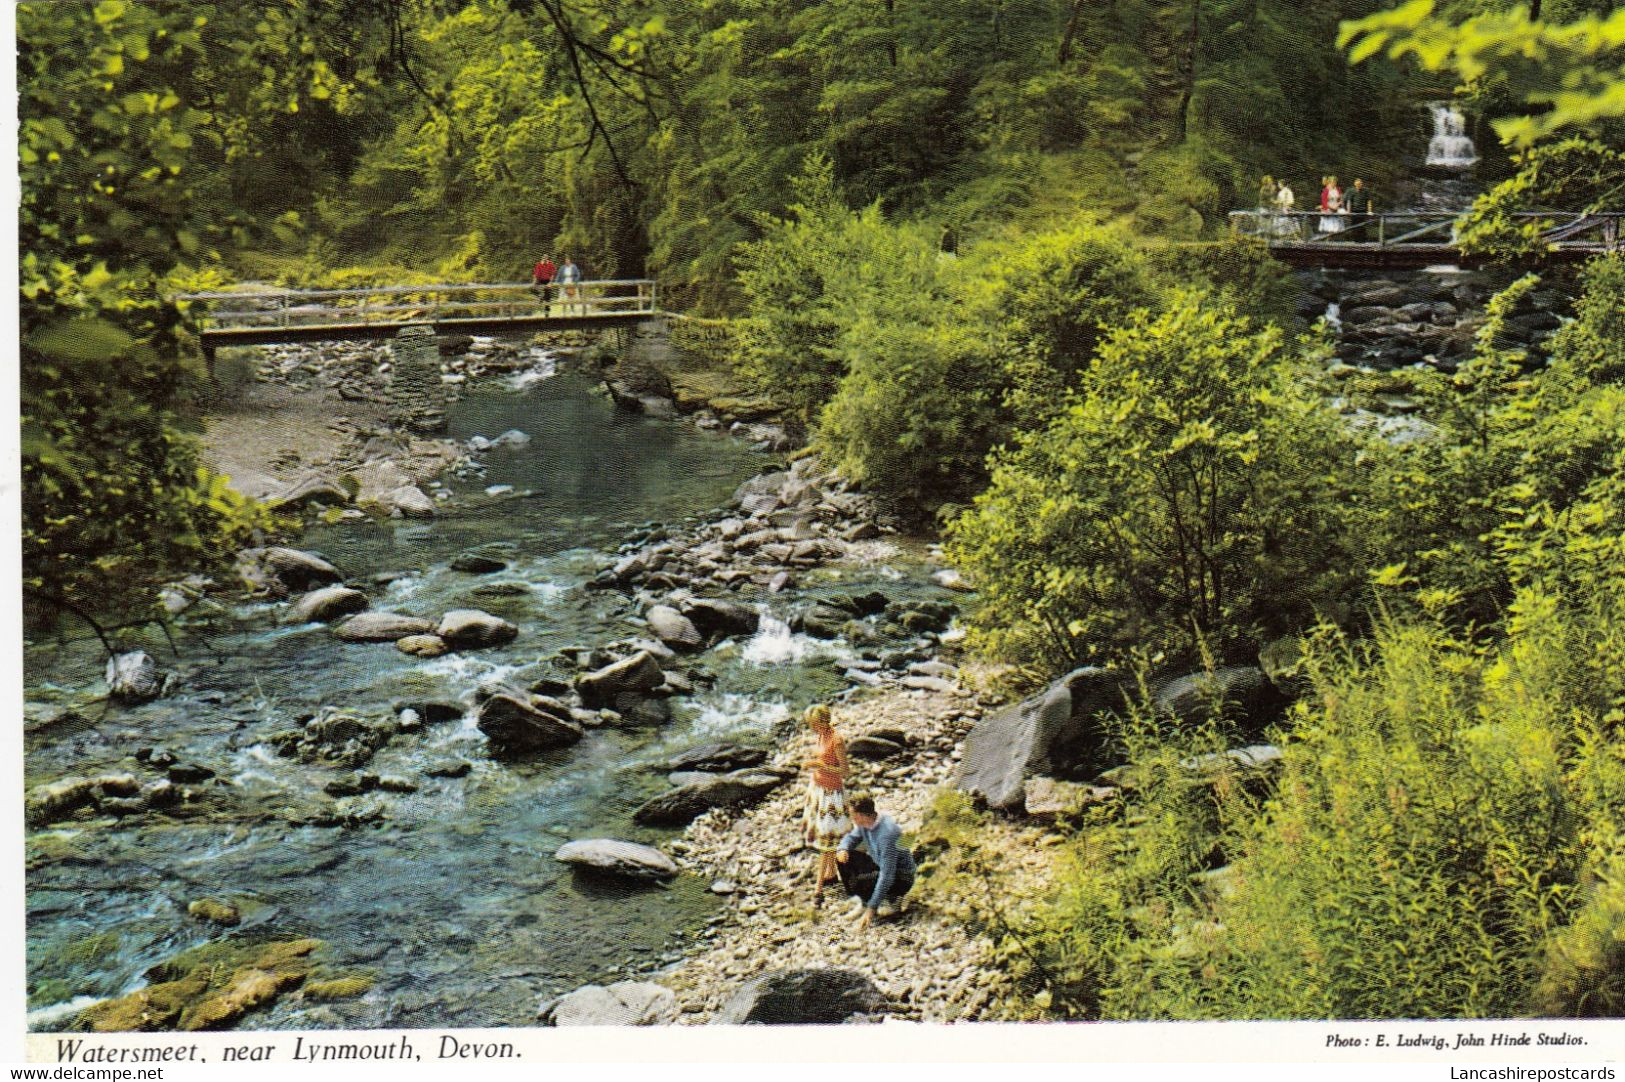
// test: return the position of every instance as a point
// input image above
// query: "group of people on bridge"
(567, 277)
(1338, 208)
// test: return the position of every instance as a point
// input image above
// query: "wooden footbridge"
(254, 317)
(1402, 239)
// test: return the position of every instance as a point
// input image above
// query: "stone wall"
(416, 393)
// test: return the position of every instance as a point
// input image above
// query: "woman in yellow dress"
(825, 818)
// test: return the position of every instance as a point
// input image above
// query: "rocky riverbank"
(925, 963)
(305, 427)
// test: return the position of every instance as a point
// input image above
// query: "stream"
(447, 895)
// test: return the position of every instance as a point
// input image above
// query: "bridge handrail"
(1561, 216)
(1283, 228)
(441, 287)
(222, 310)
(598, 303)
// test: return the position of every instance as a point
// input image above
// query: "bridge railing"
(1601, 230)
(270, 308)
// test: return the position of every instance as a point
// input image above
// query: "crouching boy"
(883, 874)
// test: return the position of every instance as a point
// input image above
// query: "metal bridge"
(1400, 239)
(267, 316)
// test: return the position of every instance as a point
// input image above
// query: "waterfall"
(1450, 148)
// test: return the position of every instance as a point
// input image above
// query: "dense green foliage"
(1572, 72)
(1442, 836)
(116, 178)
(656, 137)
(161, 141)
(1188, 494)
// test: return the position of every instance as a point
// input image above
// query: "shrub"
(1057, 297)
(800, 280)
(919, 408)
(1513, 451)
(1191, 492)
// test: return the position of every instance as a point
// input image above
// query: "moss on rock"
(337, 987)
(218, 912)
(208, 987)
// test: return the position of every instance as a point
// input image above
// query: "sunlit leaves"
(1573, 72)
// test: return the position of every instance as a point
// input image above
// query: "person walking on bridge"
(541, 278)
(1285, 226)
(570, 283)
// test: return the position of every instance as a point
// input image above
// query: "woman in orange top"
(825, 818)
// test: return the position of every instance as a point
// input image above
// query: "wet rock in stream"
(334, 738)
(134, 677)
(283, 571)
(382, 627)
(517, 727)
(327, 603)
(688, 802)
(214, 986)
(615, 858)
(473, 629)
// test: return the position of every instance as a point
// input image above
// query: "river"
(448, 895)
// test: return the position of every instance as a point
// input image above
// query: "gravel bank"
(929, 965)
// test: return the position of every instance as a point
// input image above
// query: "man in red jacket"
(542, 276)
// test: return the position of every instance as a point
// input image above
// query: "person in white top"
(1285, 226)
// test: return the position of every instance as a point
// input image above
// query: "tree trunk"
(891, 27)
(1063, 56)
(1193, 47)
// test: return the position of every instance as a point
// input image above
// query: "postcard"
(1019, 530)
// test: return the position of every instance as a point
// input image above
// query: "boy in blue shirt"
(882, 875)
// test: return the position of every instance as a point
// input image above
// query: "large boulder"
(328, 603)
(674, 629)
(1241, 693)
(608, 856)
(717, 758)
(624, 1003)
(515, 727)
(284, 571)
(639, 672)
(789, 997)
(473, 629)
(719, 619)
(134, 677)
(1056, 729)
(311, 489)
(686, 803)
(382, 627)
